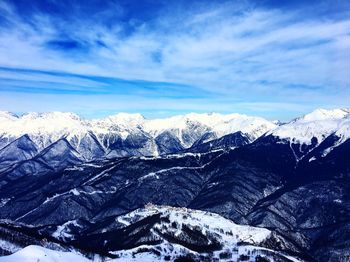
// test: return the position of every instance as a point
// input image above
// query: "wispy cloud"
(218, 57)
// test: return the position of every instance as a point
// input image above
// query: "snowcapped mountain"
(318, 132)
(318, 124)
(43, 129)
(125, 134)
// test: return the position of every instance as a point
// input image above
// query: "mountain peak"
(324, 114)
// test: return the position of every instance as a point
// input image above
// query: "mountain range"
(124, 134)
(197, 187)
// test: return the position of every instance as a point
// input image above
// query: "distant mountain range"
(86, 186)
(125, 134)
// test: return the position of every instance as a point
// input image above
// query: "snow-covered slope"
(207, 221)
(165, 233)
(125, 134)
(192, 233)
(319, 124)
(37, 253)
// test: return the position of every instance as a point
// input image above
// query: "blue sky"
(276, 59)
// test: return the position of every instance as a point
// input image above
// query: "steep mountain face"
(20, 149)
(58, 155)
(167, 143)
(226, 142)
(88, 146)
(293, 180)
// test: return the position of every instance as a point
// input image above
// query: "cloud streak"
(222, 54)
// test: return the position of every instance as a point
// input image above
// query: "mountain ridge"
(126, 134)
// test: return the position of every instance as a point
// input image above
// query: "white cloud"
(267, 56)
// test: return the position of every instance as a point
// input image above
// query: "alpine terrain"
(195, 187)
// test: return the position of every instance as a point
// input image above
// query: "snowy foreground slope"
(163, 233)
(41, 254)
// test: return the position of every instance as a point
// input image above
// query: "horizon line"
(144, 116)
